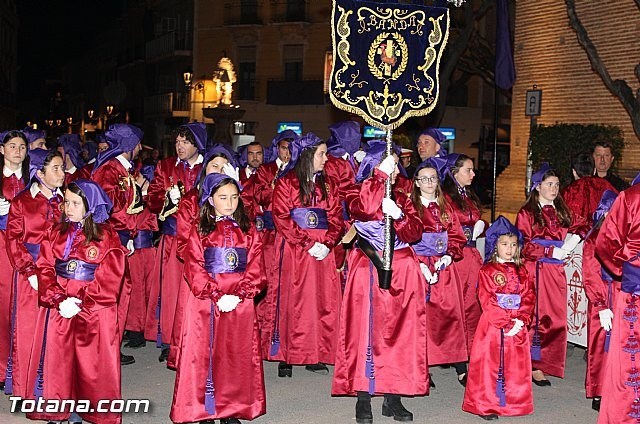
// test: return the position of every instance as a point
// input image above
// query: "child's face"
(73, 206)
(507, 247)
(427, 182)
(215, 165)
(225, 200)
(549, 189)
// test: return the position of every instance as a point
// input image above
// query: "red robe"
(469, 266)
(310, 293)
(238, 380)
(551, 286)
(11, 186)
(598, 292)
(30, 219)
(399, 322)
(85, 172)
(480, 394)
(619, 242)
(168, 268)
(582, 196)
(82, 354)
(446, 329)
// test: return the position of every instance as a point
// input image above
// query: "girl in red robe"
(80, 273)
(550, 233)
(442, 242)
(499, 381)
(308, 294)
(219, 370)
(382, 347)
(15, 176)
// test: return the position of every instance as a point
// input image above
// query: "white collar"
(345, 156)
(542, 203)
(124, 162)
(198, 161)
(427, 202)
(35, 189)
(91, 161)
(71, 170)
(248, 171)
(281, 164)
(7, 172)
(502, 261)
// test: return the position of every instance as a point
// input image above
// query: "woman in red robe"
(308, 294)
(15, 176)
(598, 285)
(219, 370)
(617, 247)
(382, 348)
(499, 381)
(550, 233)
(442, 242)
(33, 212)
(80, 273)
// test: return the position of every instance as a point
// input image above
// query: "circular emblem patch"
(440, 246)
(259, 223)
(72, 266)
(311, 219)
(500, 279)
(230, 258)
(467, 233)
(388, 56)
(92, 252)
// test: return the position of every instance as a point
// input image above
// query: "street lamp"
(187, 76)
(90, 113)
(109, 109)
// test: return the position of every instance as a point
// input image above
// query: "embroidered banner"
(386, 58)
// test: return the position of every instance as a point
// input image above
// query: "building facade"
(8, 63)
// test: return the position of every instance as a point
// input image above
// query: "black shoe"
(1, 385)
(164, 354)
(392, 407)
(541, 383)
(432, 383)
(126, 359)
(463, 380)
(126, 335)
(207, 422)
(595, 403)
(363, 409)
(285, 370)
(489, 417)
(136, 340)
(318, 368)
(229, 421)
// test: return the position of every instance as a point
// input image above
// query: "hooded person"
(368, 361)
(77, 338)
(499, 381)
(71, 150)
(37, 139)
(116, 174)
(250, 158)
(429, 143)
(173, 178)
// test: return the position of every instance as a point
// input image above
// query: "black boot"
(363, 409)
(595, 403)
(318, 368)
(432, 383)
(164, 354)
(461, 370)
(392, 407)
(229, 421)
(136, 340)
(490, 417)
(126, 359)
(285, 370)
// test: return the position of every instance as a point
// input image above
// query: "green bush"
(558, 143)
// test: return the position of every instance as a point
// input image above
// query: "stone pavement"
(305, 398)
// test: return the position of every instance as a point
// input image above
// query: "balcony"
(243, 13)
(289, 11)
(175, 43)
(285, 92)
(167, 104)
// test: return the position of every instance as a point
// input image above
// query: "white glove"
(559, 253)
(174, 195)
(315, 250)
(388, 165)
(571, 241)
(230, 171)
(425, 271)
(130, 248)
(33, 280)
(228, 302)
(606, 317)
(323, 251)
(389, 207)
(434, 278)
(442, 263)
(4, 206)
(517, 326)
(478, 228)
(69, 307)
(359, 155)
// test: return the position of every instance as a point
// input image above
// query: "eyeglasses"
(424, 180)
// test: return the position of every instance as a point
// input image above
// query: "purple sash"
(169, 227)
(546, 244)
(373, 231)
(432, 244)
(345, 211)
(33, 249)
(508, 301)
(468, 233)
(267, 220)
(143, 240)
(223, 260)
(125, 236)
(75, 269)
(630, 278)
(3, 221)
(310, 218)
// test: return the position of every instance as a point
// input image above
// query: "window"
(292, 55)
(249, 11)
(295, 10)
(247, 73)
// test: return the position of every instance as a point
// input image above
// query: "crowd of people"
(226, 259)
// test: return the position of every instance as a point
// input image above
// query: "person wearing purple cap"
(599, 287)
(219, 370)
(70, 147)
(115, 173)
(15, 176)
(429, 143)
(35, 138)
(173, 178)
(499, 382)
(32, 214)
(77, 338)
(551, 232)
(253, 157)
(441, 243)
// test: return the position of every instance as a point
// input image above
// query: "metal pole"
(496, 100)
(387, 253)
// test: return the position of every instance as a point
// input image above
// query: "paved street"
(305, 398)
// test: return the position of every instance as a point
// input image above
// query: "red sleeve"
(409, 227)
(252, 281)
(20, 258)
(531, 251)
(50, 293)
(109, 179)
(282, 205)
(527, 296)
(185, 217)
(263, 187)
(336, 223)
(595, 288)
(618, 238)
(203, 286)
(487, 289)
(364, 201)
(110, 274)
(457, 239)
(157, 190)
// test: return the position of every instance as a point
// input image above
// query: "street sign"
(534, 103)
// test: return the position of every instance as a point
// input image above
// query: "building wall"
(8, 63)
(547, 53)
